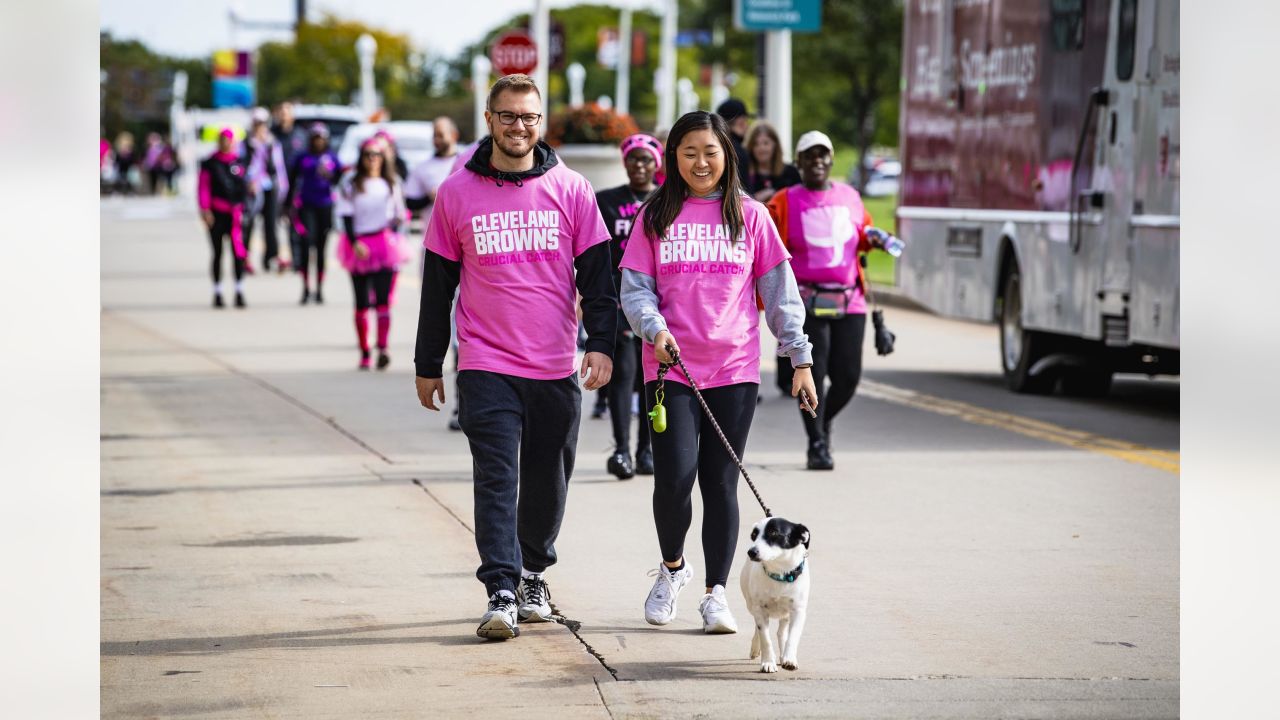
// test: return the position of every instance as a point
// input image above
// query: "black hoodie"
(441, 275)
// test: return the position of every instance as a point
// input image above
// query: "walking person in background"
(221, 190)
(516, 232)
(824, 224)
(735, 115)
(698, 255)
(160, 162)
(310, 203)
(420, 195)
(126, 159)
(767, 173)
(294, 141)
(642, 158)
(371, 206)
(268, 185)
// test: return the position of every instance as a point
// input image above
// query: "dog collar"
(787, 577)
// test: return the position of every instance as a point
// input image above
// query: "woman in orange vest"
(824, 225)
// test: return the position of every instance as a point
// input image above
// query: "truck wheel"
(1020, 348)
(1087, 383)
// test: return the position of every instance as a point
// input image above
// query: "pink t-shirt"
(706, 288)
(826, 228)
(517, 307)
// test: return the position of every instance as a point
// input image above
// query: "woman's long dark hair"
(661, 209)
(388, 172)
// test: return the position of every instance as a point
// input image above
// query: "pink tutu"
(387, 251)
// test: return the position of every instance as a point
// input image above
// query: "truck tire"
(1020, 348)
(1087, 383)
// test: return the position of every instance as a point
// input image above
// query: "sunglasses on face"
(371, 154)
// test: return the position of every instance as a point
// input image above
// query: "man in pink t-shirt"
(519, 236)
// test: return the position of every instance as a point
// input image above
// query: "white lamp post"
(480, 67)
(366, 47)
(577, 76)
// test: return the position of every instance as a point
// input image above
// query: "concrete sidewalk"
(285, 537)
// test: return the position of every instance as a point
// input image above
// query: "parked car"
(882, 180)
(414, 140)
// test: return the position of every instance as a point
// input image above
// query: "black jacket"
(440, 277)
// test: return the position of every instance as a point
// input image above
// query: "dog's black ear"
(800, 536)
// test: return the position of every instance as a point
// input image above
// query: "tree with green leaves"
(321, 66)
(137, 85)
(851, 69)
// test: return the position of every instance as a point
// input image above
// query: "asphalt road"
(283, 536)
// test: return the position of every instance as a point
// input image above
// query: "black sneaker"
(240, 303)
(819, 457)
(600, 409)
(217, 301)
(455, 423)
(499, 621)
(534, 598)
(319, 297)
(620, 465)
(644, 462)
(306, 295)
(383, 360)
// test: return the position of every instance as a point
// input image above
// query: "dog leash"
(659, 413)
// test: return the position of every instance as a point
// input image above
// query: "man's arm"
(440, 278)
(599, 298)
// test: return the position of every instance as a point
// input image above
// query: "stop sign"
(514, 52)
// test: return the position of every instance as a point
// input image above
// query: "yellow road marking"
(1167, 460)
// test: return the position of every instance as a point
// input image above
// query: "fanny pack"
(826, 303)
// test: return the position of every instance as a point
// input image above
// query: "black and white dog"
(775, 583)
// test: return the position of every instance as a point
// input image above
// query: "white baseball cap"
(813, 138)
(260, 115)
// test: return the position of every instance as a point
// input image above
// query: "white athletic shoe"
(716, 618)
(499, 621)
(534, 598)
(660, 606)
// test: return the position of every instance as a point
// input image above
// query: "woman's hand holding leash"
(663, 341)
(802, 387)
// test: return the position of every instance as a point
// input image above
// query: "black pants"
(523, 435)
(626, 368)
(689, 450)
(837, 354)
(220, 235)
(318, 221)
(379, 282)
(270, 219)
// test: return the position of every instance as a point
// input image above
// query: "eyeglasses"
(527, 119)
(639, 159)
(371, 154)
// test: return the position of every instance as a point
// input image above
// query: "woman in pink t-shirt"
(824, 225)
(698, 254)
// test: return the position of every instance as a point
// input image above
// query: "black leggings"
(626, 367)
(837, 354)
(220, 234)
(318, 221)
(379, 281)
(270, 219)
(690, 449)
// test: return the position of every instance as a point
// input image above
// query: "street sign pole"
(541, 26)
(622, 91)
(480, 67)
(777, 108)
(667, 68)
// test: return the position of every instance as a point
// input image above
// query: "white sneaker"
(716, 618)
(534, 598)
(499, 621)
(660, 606)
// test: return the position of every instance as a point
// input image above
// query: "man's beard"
(502, 145)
